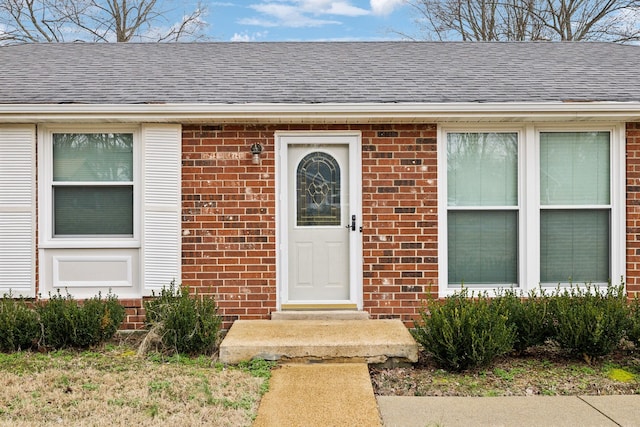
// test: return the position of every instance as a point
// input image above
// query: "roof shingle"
(310, 73)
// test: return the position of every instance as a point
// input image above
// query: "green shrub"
(464, 332)
(98, 320)
(185, 324)
(67, 323)
(19, 327)
(633, 333)
(529, 316)
(590, 322)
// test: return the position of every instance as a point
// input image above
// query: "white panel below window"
(84, 273)
(75, 272)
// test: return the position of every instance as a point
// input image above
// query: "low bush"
(67, 323)
(633, 333)
(98, 320)
(19, 327)
(464, 331)
(529, 316)
(590, 322)
(184, 324)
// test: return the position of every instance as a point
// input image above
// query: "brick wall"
(400, 219)
(633, 209)
(229, 247)
(228, 204)
(228, 241)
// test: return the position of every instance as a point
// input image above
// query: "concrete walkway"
(326, 395)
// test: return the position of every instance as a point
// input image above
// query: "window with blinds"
(575, 207)
(531, 207)
(482, 216)
(92, 184)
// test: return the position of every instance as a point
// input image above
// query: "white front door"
(319, 221)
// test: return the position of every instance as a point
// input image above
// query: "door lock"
(352, 227)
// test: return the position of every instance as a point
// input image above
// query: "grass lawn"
(112, 385)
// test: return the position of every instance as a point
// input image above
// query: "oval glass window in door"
(318, 190)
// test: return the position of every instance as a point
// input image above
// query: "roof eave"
(322, 113)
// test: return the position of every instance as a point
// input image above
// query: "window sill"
(90, 244)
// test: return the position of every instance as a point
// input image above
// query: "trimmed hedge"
(588, 322)
(467, 331)
(19, 326)
(58, 323)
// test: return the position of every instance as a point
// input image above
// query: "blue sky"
(307, 20)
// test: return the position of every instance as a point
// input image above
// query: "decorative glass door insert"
(318, 190)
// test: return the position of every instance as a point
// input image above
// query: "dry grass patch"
(542, 371)
(114, 386)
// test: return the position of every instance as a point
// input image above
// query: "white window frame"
(529, 200)
(47, 240)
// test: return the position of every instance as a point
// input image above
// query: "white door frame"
(283, 139)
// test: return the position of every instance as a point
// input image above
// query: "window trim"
(47, 239)
(529, 199)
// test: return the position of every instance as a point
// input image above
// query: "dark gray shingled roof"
(309, 73)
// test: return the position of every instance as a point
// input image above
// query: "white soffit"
(321, 113)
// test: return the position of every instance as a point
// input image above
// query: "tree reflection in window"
(318, 190)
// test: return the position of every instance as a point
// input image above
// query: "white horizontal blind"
(161, 243)
(482, 169)
(17, 210)
(574, 168)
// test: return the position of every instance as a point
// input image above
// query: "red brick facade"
(229, 230)
(633, 209)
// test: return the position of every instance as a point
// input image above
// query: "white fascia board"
(320, 113)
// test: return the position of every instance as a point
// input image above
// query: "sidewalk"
(341, 394)
(578, 411)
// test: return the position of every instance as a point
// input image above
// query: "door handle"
(352, 227)
(353, 223)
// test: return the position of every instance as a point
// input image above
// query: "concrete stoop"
(365, 341)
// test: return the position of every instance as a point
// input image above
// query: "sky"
(307, 20)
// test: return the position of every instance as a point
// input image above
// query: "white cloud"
(384, 7)
(331, 7)
(313, 13)
(286, 15)
(246, 37)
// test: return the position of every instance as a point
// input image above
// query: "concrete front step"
(320, 315)
(370, 341)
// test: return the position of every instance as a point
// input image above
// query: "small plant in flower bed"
(19, 327)
(590, 322)
(465, 331)
(634, 322)
(184, 324)
(530, 316)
